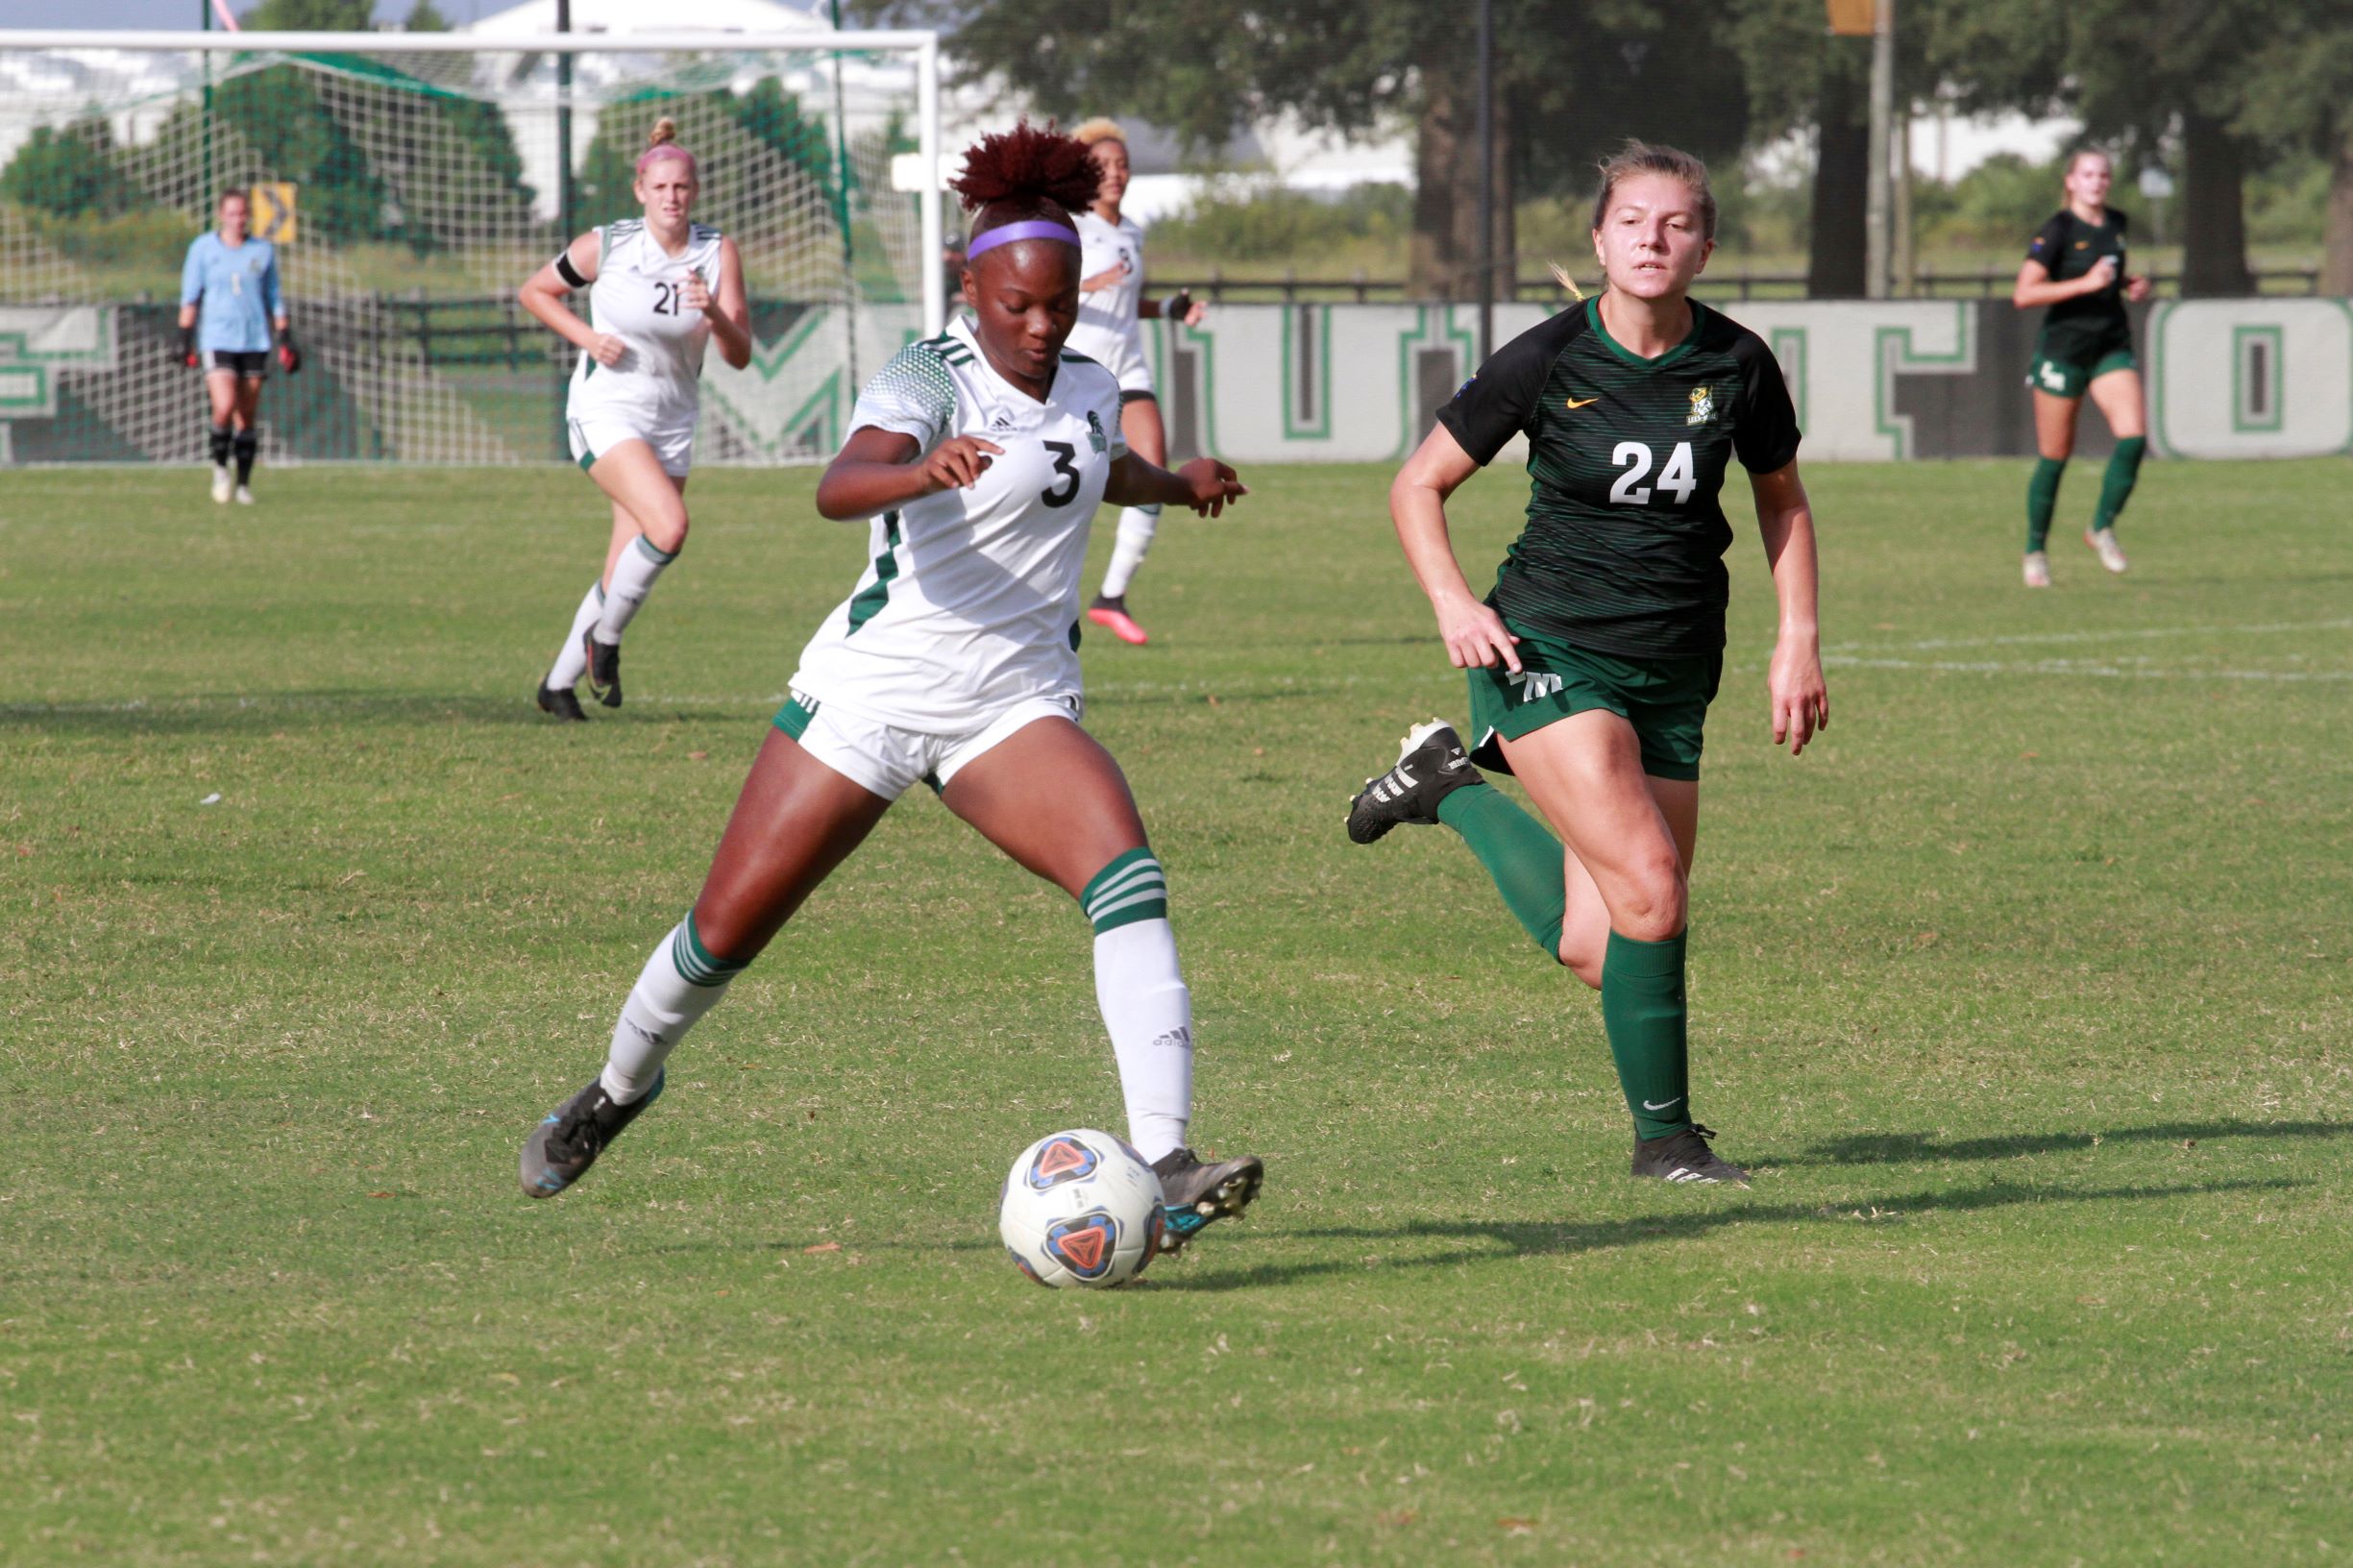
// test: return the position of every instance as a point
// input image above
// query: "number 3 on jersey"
(1064, 493)
(1636, 459)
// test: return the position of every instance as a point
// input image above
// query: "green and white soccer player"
(978, 457)
(661, 289)
(1593, 659)
(2074, 272)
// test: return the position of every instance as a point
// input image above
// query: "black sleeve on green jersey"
(1501, 399)
(1764, 425)
(2047, 242)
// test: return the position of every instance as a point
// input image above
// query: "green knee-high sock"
(2116, 485)
(2042, 500)
(1643, 1010)
(1520, 853)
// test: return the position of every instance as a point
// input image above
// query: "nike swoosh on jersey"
(1586, 403)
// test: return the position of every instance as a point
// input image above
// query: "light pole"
(563, 126)
(1485, 135)
(1878, 248)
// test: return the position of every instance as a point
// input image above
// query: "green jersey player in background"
(1593, 659)
(2074, 266)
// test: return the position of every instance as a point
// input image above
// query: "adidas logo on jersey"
(1002, 419)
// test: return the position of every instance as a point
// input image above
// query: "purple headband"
(1034, 229)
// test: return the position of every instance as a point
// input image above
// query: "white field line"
(2075, 667)
(304, 704)
(2123, 634)
(1853, 655)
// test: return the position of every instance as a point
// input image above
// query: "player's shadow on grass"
(1897, 1148)
(1540, 1239)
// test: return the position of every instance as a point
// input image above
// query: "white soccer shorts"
(592, 435)
(885, 760)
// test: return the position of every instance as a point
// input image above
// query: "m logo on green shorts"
(1534, 685)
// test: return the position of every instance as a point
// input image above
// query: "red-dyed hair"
(1025, 173)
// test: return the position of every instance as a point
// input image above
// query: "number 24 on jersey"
(1636, 458)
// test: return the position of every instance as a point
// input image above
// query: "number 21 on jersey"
(1635, 458)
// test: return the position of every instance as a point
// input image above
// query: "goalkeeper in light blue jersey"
(230, 307)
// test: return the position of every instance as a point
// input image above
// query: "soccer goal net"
(408, 184)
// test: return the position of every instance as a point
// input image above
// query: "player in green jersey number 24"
(1592, 662)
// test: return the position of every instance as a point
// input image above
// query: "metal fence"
(1990, 282)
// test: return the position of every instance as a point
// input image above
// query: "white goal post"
(410, 181)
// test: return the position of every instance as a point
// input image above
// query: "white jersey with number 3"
(970, 602)
(638, 297)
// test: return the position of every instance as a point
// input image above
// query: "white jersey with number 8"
(639, 297)
(970, 602)
(1110, 328)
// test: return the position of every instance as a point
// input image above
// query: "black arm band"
(569, 273)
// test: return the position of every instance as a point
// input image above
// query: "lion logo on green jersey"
(1703, 405)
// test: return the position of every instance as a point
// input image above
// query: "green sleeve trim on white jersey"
(916, 381)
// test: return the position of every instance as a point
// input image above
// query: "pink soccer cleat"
(1111, 615)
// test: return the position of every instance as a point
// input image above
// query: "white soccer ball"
(1081, 1211)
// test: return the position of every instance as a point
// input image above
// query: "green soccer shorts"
(2070, 378)
(1665, 700)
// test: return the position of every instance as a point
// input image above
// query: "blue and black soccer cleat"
(1193, 1195)
(562, 1147)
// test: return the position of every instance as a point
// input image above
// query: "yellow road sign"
(274, 213)
(1855, 18)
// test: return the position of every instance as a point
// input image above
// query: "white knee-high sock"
(1136, 525)
(633, 578)
(1145, 1005)
(572, 659)
(682, 982)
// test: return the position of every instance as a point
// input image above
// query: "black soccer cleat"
(561, 703)
(1430, 766)
(1683, 1156)
(604, 668)
(1193, 1194)
(563, 1146)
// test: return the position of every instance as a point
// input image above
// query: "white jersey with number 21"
(970, 600)
(638, 298)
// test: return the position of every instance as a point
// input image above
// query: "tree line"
(2217, 89)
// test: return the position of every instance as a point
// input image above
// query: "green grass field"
(2027, 991)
